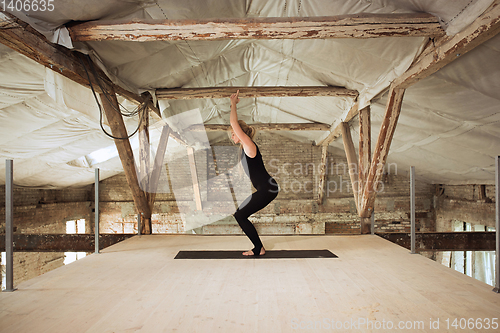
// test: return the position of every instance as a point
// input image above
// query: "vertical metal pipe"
(373, 223)
(497, 225)
(9, 229)
(139, 224)
(96, 210)
(412, 204)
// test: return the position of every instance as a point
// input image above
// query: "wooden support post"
(158, 163)
(322, 174)
(126, 154)
(144, 152)
(365, 149)
(194, 175)
(384, 140)
(365, 157)
(352, 160)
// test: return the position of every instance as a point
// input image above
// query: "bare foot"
(250, 253)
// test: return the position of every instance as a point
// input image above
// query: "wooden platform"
(137, 286)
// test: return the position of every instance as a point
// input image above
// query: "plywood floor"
(137, 286)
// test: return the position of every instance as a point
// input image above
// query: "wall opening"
(3, 269)
(477, 264)
(74, 227)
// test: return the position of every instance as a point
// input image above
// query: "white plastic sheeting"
(448, 126)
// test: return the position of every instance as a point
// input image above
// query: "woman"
(266, 186)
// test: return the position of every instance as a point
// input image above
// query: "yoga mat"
(278, 254)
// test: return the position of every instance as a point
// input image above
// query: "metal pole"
(139, 224)
(96, 210)
(9, 229)
(373, 222)
(497, 225)
(412, 204)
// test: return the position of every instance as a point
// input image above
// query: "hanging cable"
(141, 109)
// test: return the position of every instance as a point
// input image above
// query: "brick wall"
(294, 165)
(474, 204)
(43, 211)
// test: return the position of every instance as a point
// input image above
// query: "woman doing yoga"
(266, 186)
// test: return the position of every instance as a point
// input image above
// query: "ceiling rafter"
(449, 49)
(261, 127)
(249, 92)
(363, 25)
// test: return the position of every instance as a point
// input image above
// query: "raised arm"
(248, 145)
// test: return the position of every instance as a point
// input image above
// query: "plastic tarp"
(448, 126)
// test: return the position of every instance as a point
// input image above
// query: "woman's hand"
(235, 98)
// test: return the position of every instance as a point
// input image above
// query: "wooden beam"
(365, 147)
(261, 127)
(144, 152)
(384, 140)
(158, 163)
(365, 158)
(363, 25)
(22, 38)
(445, 241)
(352, 160)
(336, 132)
(246, 92)
(482, 29)
(126, 154)
(194, 176)
(322, 174)
(61, 242)
(449, 49)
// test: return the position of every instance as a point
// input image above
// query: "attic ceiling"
(448, 128)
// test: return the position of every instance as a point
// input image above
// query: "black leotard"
(267, 190)
(256, 171)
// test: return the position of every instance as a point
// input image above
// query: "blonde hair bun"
(249, 130)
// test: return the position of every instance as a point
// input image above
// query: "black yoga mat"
(278, 254)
